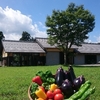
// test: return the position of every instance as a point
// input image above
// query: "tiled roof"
(85, 48)
(33, 47)
(43, 42)
(89, 48)
(18, 46)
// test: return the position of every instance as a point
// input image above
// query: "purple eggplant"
(59, 77)
(78, 82)
(71, 73)
(67, 88)
(60, 69)
(66, 74)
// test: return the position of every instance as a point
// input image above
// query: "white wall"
(52, 58)
(79, 59)
(98, 58)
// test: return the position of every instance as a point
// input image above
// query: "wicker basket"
(29, 96)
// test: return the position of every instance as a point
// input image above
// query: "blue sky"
(17, 16)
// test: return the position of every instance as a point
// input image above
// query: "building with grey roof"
(24, 53)
(86, 54)
(22, 47)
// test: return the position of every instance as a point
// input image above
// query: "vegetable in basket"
(81, 91)
(40, 94)
(78, 82)
(33, 88)
(53, 87)
(67, 88)
(59, 77)
(72, 75)
(46, 77)
(37, 79)
(87, 93)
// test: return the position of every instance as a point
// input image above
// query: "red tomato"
(57, 91)
(50, 94)
(59, 97)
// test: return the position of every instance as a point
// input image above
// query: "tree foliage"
(26, 37)
(1, 36)
(69, 27)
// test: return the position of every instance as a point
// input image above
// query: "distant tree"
(32, 39)
(1, 38)
(26, 36)
(69, 27)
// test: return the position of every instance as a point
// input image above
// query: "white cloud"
(12, 36)
(98, 38)
(13, 23)
(88, 41)
(41, 25)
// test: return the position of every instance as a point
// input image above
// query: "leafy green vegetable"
(46, 85)
(48, 73)
(47, 77)
(41, 74)
(33, 88)
(50, 80)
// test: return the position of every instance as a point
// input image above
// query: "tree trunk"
(66, 56)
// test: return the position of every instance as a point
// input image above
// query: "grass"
(14, 81)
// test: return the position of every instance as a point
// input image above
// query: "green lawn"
(14, 81)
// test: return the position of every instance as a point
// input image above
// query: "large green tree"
(26, 37)
(69, 27)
